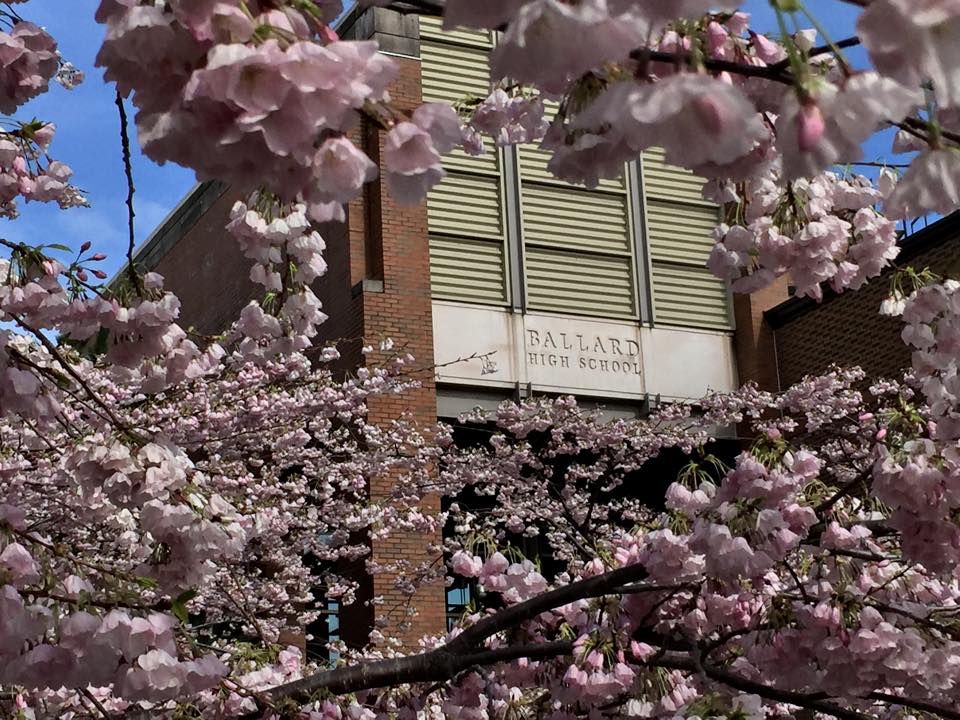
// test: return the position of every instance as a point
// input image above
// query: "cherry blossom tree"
(170, 503)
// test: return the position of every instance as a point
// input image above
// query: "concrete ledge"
(367, 286)
(395, 32)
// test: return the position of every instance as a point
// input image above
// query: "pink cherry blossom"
(893, 31)
(412, 163)
(340, 170)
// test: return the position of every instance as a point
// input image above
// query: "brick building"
(846, 329)
(546, 287)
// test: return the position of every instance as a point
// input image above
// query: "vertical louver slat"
(679, 226)
(465, 211)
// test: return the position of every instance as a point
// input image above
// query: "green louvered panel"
(533, 161)
(432, 29)
(459, 161)
(533, 166)
(452, 72)
(465, 212)
(689, 296)
(466, 205)
(468, 270)
(679, 227)
(669, 181)
(573, 219)
(679, 232)
(580, 283)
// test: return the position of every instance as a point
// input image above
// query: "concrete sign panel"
(487, 347)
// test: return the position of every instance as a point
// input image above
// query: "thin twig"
(821, 50)
(96, 703)
(843, 492)
(815, 702)
(131, 189)
(924, 125)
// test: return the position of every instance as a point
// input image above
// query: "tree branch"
(430, 8)
(775, 72)
(462, 652)
(529, 609)
(438, 665)
(71, 371)
(921, 705)
(85, 692)
(821, 50)
(768, 72)
(843, 492)
(810, 702)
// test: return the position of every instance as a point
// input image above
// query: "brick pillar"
(754, 340)
(389, 242)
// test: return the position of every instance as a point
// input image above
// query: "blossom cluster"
(220, 498)
(274, 77)
(288, 256)
(779, 570)
(285, 92)
(27, 172)
(823, 230)
(29, 61)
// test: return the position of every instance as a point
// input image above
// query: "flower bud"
(810, 127)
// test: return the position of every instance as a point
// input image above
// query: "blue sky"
(88, 136)
(88, 140)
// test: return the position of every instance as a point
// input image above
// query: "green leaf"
(179, 605)
(58, 246)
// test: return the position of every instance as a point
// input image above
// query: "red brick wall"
(848, 330)
(398, 243)
(207, 271)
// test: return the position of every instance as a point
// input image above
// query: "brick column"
(754, 340)
(390, 242)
